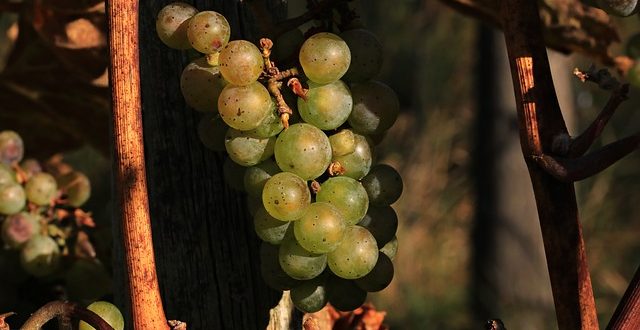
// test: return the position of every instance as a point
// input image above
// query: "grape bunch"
(40, 215)
(303, 154)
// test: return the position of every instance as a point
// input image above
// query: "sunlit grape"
(256, 176)
(356, 255)
(347, 195)
(320, 229)
(298, 262)
(375, 107)
(76, 187)
(344, 295)
(241, 62)
(40, 256)
(108, 312)
(268, 228)
(327, 105)
(303, 149)
(382, 222)
(11, 147)
(208, 32)
(379, 277)
(324, 57)
(286, 196)
(12, 198)
(310, 296)
(248, 150)
(201, 84)
(211, 131)
(366, 55)
(41, 189)
(172, 24)
(244, 107)
(358, 163)
(18, 228)
(383, 184)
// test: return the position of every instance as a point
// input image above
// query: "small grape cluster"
(40, 213)
(304, 155)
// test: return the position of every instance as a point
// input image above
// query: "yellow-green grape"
(247, 150)
(375, 107)
(172, 23)
(7, 175)
(342, 143)
(208, 32)
(327, 105)
(40, 256)
(201, 84)
(320, 229)
(324, 57)
(268, 228)
(358, 163)
(244, 107)
(303, 149)
(271, 271)
(12, 198)
(347, 195)
(344, 295)
(211, 132)
(256, 176)
(108, 312)
(11, 147)
(379, 277)
(383, 185)
(18, 228)
(356, 256)
(286, 196)
(270, 126)
(241, 62)
(310, 296)
(391, 248)
(298, 262)
(76, 186)
(366, 55)
(41, 189)
(233, 174)
(382, 223)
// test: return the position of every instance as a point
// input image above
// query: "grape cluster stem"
(67, 310)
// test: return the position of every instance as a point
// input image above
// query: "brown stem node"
(315, 187)
(335, 169)
(296, 88)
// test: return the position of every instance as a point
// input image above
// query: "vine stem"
(627, 314)
(129, 167)
(65, 310)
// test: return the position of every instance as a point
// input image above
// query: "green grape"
(622, 8)
(245, 107)
(41, 189)
(270, 126)
(356, 256)
(390, 249)
(268, 228)
(233, 174)
(11, 147)
(342, 143)
(18, 228)
(344, 295)
(241, 62)
(40, 256)
(247, 150)
(287, 45)
(7, 175)
(256, 176)
(324, 57)
(303, 149)
(172, 24)
(366, 55)
(310, 296)
(201, 84)
(12, 198)
(208, 32)
(211, 132)
(320, 229)
(286, 196)
(347, 195)
(76, 186)
(380, 276)
(633, 46)
(271, 271)
(383, 185)
(375, 107)
(382, 223)
(298, 262)
(357, 163)
(327, 106)
(108, 312)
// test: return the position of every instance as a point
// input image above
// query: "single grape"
(356, 256)
(201, 84)
(248, 150)
(11, 147)
(286, 196)
(344, 295)
(303, 149)
(41, 189)
(342, 143)
(211, 132)
(358, 163)
(298, 262)
(324, 57)
(320, 229)
(256, 176)
(375, 107)
(40, 256)
(172, 24)
(233, 174)
(208, 32)
(310, 296)
(245, 107)
(271, 271)
(287, 45)
(622, 8)
(12, 198)
(366, 55)
(7, 175)
(327, 106)
(633, 46)
(241, 62)
(391, 248)
(383, 184)
(268, 228)
(347, 195)
(270, 126)
(382, 223)
(380, 276)
(76, 186)
(30, 167)
(108, 312)
(18, 228)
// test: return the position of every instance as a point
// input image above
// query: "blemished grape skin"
(286, 196)
(256, 176)
(303, 149)
(211, 132)
(208, 32)
(76, 187)
(268, 228)
(310, 296)
(108, 312)
(201, 84)
(40, 256)
(324, 57)
(347, 195)
(320, 229)
(12, 198)
(248, 150)
(380, 276)
(327, 105)
(344, 295)
(366, 55)
(298, 262)
(356, 256)
(244, 107)
(18, 228)
(382, 223)
(342, 143)
(11, 147)
(172, 23)
(358, 163)
(383, 185)
(271, 271)
(41, 189)
(375, 107)
(241, 62)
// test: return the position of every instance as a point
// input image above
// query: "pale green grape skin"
(7, 175)
(256, 176)
(344, 295)
(41, 189)
(208, 32)
(383, 185)
(390, 249)
(298, 262)
(366, 55)
(303, 149)
(380, 276)
(211, 132)
(286, 196)
(248, 150)
(201, 84)
(347, 195)
(356, 256)
(327, 105)
(287, 45)
(241, 62)
(310, 296)
(358, 163)
(172, 23)
(268, 228)
(40, 256)
(270, 126)
(320, 229)
(324, 57)
(233, 174)
(271, 271)
(382, 223)
(11, 147)
(18, 228)
(375, 107)
(108, 312)
(76, 186)
(342, 143)
(12, 198)
(244, 107)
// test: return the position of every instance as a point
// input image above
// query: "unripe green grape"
(208, 32)
(324, 57)
(344, 295)
(201, 84)
(268, 228)
(383, 184)
(391, 249)
(271, 271)
(40, 256)
(298, 262)
(244, 107)
(366, 55)
(108, 312)
(622, 8)
(356, 256)
(380, 276)
(358, 163)
(233, 174)
(256, 176)
(347, 195)
(375, 107)
(172, 24)
(287, 45)
(241, 62)
(342, 143)
(7, 175)
(18, 228)
(310, 296)
(303, 149)
(248, 150)
(270, 125)
(41, 189)
(320, 229)
(327, 105)
(382, 223)
(286, 196)
(12, 198)
(11, 147)
(211, 132)
(76, 186)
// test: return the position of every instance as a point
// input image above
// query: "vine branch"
(67, 310)
(627, 314)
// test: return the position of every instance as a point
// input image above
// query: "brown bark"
(627, 314)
